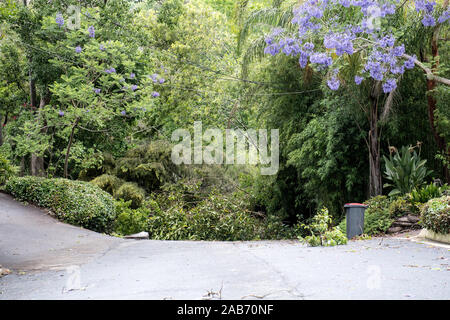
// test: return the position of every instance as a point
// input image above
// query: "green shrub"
(150, 165)
(131, 192)
(218, 217)
(377, 218)
(405, 171)
(130, 221)
(402, 207)
(435, 215)
(426, 193)
(321, 232)
(75, 202)
(108, 183)
(7, 170)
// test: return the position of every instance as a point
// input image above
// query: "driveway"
(53, 260)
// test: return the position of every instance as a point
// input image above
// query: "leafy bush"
(402, 207)
(377, 218)
(321, 232)
(218, 217)
(149, 165)
(130, 221)
(426, 193)
(405, 170)
(7, 170)
(75, 202)
(436, 215)
(131, 192)
(108, 183)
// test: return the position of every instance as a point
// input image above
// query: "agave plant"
(405, 171)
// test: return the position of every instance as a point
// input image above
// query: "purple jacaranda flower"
(97, 90)
(102, 47)
(78, 49)
(389, 85)
(424, 5)
(428, 21)
(91, 32)
(110, 70)
(409, 64)
(162, 80)
(61, 113)
(333, 83)
(444, 16)
(124, 113)
(132, 76)
(358, 80)
(134, 87)
(59, 20)
(273, 49)
(303, 60)
(398, 51)
(155, 94)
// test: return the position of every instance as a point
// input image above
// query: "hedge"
(75, 202)
(436, 215)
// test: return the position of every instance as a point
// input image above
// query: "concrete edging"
(431, 235)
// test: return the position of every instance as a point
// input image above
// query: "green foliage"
(7, 170)
(129, 191)
(150, 165)
(130, 221)
(321, 232)
(75, 202)
(377, 218)
(435, 215)
(108, 183)
(402, 207)
(426, 193)
(218, 217)
(405, 170)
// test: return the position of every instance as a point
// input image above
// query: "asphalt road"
(52, 260)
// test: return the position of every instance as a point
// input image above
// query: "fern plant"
(405, 171)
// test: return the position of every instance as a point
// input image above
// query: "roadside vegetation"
(87, 112)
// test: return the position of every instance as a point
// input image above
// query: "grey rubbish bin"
(354, 213)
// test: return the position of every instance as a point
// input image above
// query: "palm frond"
(255, 51)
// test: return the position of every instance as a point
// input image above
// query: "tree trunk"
(375, 184)
(37, 161)
(375, 181)
(37, 166)
(66, 162)
(22, 166)
(431, 85)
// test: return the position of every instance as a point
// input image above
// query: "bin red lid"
(355, 205)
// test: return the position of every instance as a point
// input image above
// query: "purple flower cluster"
(59, 20)
(444, 16)
(110, 70)
(427, 7)
(78, 49)
(358, 80)
(389, 85)
(155, 94)
(91, 31)
(341, 42)
(386, 60)
(333, 83)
